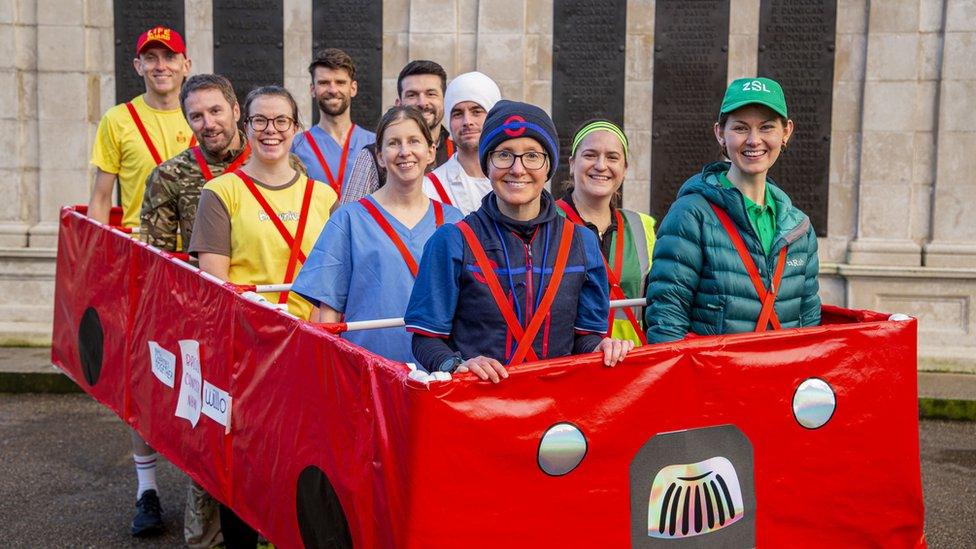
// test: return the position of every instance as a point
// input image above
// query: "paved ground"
(66, 478)
(948, 451)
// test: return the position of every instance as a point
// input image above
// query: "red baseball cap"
(164, 36)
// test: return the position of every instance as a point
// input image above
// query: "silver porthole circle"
(814, 403)
(561, 449)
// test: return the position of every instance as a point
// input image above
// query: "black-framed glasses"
(281, 123)
(531, 160)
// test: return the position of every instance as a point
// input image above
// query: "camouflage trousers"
(201, 522)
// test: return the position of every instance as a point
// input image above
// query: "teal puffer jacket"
(698, 283)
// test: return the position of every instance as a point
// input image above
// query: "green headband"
(595, 127)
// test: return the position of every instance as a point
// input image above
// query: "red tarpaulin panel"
(315, 441)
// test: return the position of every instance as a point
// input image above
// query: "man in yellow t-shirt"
(132, 139)
(135, 137)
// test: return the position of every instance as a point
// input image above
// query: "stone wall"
(900, 236)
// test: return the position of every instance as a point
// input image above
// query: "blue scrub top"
(356, 269)
(331, 150)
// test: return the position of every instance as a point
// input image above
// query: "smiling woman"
(598, 165)
(256, 224)
(734, 254)
(554, 301)
(363, 266)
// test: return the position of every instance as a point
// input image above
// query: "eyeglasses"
(260, 123)
(531, 160)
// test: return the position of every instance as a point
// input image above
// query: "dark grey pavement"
(66, 478)
(948, 451)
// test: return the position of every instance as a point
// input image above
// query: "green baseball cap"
(749, 91)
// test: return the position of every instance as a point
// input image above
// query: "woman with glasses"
(255, 225)
(733, 254)
(365, 262)
(513, 281)
(598, 164)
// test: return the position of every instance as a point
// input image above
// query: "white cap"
(471, 86)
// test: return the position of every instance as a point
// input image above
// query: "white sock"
(145, 472)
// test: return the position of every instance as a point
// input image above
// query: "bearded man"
(329, 148)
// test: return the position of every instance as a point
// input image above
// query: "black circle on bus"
(321, 520)
(91, 345)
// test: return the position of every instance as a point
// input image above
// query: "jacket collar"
(547, 213)
(791, 223)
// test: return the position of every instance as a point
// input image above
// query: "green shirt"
(762, 218)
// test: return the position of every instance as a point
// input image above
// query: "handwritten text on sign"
(191, 388)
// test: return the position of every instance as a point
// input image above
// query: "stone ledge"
(947, 360)
(887, 271)
(27, 334)
(8, 252)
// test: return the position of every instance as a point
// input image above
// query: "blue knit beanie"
(511, 120)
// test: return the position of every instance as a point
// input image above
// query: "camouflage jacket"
(173, 192)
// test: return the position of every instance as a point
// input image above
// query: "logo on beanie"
(516, 131)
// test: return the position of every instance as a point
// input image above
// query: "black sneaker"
(148, 520)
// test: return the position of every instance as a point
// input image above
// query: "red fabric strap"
(335, 183)
(767, 314)
(391, 233)
(205, 168)
(562, 256)
(202, 162)
(142, 131)
(240, 160)
(501, 301)
(450, 148)
(294, 244)
(441, 192)
(616, 291)
(438, 213)
(570, 212)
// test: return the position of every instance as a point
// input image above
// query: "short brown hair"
(421, 66)
(332, 58)
(207, 82)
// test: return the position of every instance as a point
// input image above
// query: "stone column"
(845, 133)
(953, 227)
(396, 39)
(638, 91)
(502, 45)
(898, 130)
(432, 27)
(743, 39)
(198, 26)
(467, 40)
(74, 61)
(18, 122)
(537, 77)
(298, 54)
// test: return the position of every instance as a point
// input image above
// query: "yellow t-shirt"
(258, 253)
(120, 149)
